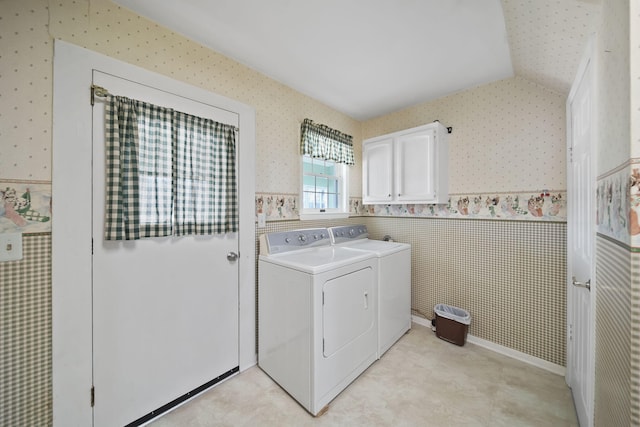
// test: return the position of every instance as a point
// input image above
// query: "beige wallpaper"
(613, 346)
(513, 119)
(634, 44)
(617, 362)
(508, 136)
(25, 90)
(549, 57)
(613, 94)
(99, 25)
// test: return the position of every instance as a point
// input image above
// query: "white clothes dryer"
(394, 281)
(317, 314)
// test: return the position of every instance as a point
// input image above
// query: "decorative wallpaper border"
(618, 204)
(543, 206)
(25, 207)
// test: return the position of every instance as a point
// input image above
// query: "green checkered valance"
(168, 173)
(321, 141)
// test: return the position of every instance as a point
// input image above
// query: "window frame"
(342, 173)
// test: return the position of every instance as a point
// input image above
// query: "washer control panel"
(347, 233)
(285, 241)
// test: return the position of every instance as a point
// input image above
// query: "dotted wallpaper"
(549, 57)
(513, 119)
(99, 25)
(109, 29)
(613, 93)
(508, 136)
(25, 90)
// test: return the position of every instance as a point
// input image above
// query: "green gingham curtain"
(205, 185)
(320, 141)
(168, 173)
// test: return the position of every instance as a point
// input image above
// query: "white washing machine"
(394, 281)
(317, 314)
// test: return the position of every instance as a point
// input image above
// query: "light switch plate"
(262, 220)
(10, 246)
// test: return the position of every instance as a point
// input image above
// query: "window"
(324, 186)
(326, 154)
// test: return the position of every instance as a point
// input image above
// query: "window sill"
(323, 215)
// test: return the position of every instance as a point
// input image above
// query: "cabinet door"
(415, 167)
(377, 171)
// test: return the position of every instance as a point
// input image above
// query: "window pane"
(318, 166)
(333, 201)
(309, 201)
(333, 186)
(321, 201)
(309, 183)
(307, 164)
(330, 168)
(322, 185)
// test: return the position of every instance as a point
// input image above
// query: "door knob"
(232, 256)
(586, 284)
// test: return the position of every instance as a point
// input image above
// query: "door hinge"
(91, 246)
(93, 396)
(570, 154)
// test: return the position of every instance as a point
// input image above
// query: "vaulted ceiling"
(367, 58)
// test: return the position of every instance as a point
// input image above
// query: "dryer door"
(349, 309)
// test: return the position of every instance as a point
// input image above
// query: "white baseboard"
(535, 361)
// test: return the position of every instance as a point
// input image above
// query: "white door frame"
(71, 233)
(587, 65)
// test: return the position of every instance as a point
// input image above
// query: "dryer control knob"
(302, 238)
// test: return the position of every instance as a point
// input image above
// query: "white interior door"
(580, 235)
(165, 310)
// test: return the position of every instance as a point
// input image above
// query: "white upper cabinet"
(409, 166)
(377, 167)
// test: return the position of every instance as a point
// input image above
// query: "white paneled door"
(580, 236)
(165, 310)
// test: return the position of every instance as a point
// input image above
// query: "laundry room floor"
(420, 381)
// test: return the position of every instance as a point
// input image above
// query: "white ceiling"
(367, 58)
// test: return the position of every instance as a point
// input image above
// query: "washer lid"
(318, 260)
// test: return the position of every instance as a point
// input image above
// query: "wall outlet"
(10, 247)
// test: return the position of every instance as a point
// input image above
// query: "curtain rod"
(101, 92)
